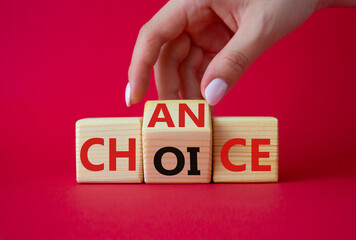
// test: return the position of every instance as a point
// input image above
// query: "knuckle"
(145, 28)
(237, 61)
(148, 33)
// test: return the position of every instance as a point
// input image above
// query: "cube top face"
(269, 121)
(109, 150)
(105, 122)
(177, 139)
(177, 115)
(245, 149)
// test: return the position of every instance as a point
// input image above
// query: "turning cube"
(109, 150)
(177, 139)
(245, 149)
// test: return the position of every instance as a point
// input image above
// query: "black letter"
(158, 161)
(193, 161)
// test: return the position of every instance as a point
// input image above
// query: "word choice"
(177, 141)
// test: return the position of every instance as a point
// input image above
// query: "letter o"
(158, 161)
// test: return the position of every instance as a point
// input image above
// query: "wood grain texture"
(159, 136)
(226, 128)
(107, 128)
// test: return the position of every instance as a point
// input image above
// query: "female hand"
(200, 48)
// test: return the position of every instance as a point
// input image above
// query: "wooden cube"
(245, 149)
(177, 141)
(109, 150)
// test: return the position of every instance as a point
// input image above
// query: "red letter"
(131, 154)
(256, 155)
(84, 154)
(224, 155)
(183, 108)
(167, 117)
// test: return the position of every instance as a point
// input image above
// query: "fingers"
(230, 63)
(166, 69)
(205, 63)
(165, 26)
(189, 74)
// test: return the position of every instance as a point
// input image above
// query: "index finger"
(165, 26)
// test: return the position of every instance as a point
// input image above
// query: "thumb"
(230, 63)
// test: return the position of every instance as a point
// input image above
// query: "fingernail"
(127, 94)
(215, 91)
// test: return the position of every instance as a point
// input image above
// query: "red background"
(61, 61)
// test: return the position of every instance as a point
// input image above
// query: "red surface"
(65, 60)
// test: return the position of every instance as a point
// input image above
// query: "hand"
(200, 48)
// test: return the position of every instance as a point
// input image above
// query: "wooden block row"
(177, 142)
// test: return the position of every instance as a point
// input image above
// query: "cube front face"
(245, 149)
(177, 138)
(109, 150)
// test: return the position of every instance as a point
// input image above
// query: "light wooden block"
(181, 136)
(99, 138)
(250, 129)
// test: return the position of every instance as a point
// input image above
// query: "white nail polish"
(215, 91)
(127, 94)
